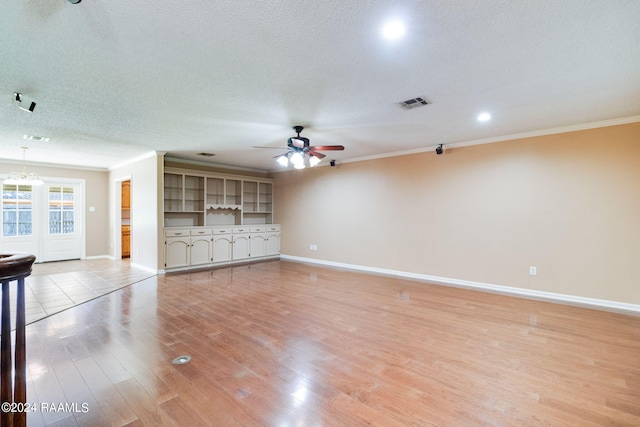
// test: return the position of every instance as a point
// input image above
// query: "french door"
(43, 220)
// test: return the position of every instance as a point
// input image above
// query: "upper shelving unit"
(194, 198)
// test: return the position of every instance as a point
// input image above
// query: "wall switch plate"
(313, 247)
(533, 270)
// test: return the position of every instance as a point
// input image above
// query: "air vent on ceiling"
(206, 154)
(35, 138)
(412, 103)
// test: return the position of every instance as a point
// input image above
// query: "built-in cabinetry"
(213, 219)
(193, 198)
(126, 241)
(202, 246)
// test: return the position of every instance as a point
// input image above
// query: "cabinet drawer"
(176, 233)
(258, 228)
(273, 227)
(241, 229)
(201, 232)
(223, 230)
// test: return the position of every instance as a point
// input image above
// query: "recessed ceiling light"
(393, 30)
(484, 117)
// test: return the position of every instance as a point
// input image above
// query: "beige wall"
(568, 204)
(146, 218)
(96, 191)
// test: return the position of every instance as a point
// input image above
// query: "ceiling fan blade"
(271, 148)
(327, 147)
(316, 153)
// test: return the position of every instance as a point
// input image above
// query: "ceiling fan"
(300, 152)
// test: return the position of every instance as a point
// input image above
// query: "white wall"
(146, 225)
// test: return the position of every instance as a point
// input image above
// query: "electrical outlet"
(533, 270)
(313, 247)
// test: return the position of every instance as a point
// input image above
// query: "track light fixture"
(439, 149)
(23, 103)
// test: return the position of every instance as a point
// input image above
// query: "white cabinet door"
(177, 252)
(257, 245)
(241, 246)
(222, 247)
(200, 250)
(272, 244)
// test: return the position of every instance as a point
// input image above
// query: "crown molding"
(511, 137)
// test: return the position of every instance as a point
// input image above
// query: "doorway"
(125, 218)
(44, 220)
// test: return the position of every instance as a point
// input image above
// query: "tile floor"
(57, 286)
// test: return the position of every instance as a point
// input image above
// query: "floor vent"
(412, 103)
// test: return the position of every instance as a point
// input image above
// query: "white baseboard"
(99, 257)
(620, 307)
(145, 268)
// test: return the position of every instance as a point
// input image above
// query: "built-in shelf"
(198, 198)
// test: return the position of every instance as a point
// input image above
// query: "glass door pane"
(61, 210)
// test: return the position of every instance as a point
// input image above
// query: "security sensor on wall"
(23, 103)
(439, 149)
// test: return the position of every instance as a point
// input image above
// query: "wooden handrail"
(13, 267)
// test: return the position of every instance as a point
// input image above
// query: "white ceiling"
(114, 80)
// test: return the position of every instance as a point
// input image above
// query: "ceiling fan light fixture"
(283, 160)
(301, 154)
(297, 159)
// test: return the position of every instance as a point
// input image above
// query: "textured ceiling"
(114, 80)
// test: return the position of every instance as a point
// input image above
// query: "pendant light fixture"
(24, 177)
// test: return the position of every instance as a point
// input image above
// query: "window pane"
(68, 222)
(24, 195)
(16, 210)
(55, 222)
(9, 223)
(61, 210)
(24, 216)
(9, 192)
(24, 229)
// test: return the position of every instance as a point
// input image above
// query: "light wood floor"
(287, 344)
